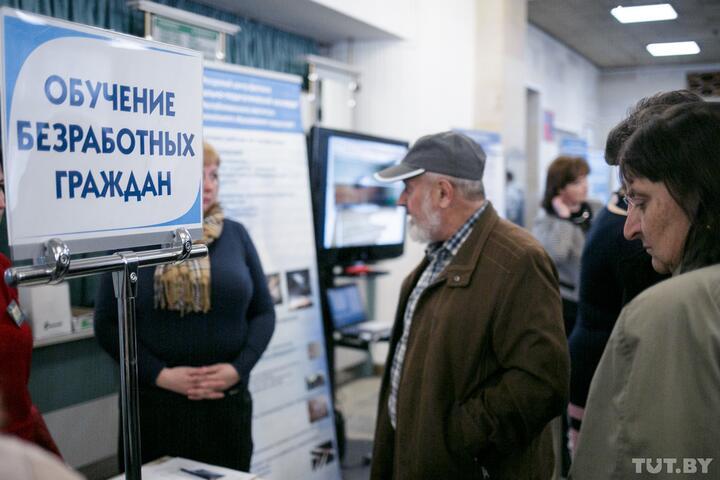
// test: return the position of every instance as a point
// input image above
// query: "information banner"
(101, 136)
(252, 118)
(576, 147)
(600, 177)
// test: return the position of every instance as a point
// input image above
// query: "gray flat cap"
(448, 153)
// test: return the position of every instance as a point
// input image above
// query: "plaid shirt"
(439, 255)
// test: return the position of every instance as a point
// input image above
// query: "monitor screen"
(358, 209)
(353, 211)
(346, 306)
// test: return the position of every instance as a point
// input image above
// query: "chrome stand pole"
(125, 282)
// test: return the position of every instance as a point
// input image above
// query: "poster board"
(599, 180)
(494, 174)
(574, 147)
(101, 136)
(600, 177)
(252, 118)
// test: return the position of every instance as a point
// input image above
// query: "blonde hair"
(210, 155)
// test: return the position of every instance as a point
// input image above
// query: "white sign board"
(252, 118)
(101, 136)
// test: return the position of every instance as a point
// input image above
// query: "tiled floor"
(357, 399)
(358, 402)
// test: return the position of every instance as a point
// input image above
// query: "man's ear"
(446, 193)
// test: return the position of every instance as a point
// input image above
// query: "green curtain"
(256, 45)
(110, 14)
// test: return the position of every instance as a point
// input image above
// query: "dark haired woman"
(655, 395)
(562, 223)
(561, 226)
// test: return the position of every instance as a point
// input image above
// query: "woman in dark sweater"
(613, 271)
(201, 328)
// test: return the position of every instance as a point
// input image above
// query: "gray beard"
(425, 233)
(418, 233)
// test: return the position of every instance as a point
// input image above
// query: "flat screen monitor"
(356, 217)
(346, 306)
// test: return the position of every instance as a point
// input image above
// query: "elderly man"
(478, 362)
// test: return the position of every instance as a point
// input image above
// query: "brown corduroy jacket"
(486, 366)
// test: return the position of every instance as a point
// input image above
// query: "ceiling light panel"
(644, 13)
(673, 48)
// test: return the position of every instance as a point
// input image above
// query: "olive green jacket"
(656, 391)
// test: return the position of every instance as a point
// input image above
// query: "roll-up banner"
(252, 118)
(101, 136)
(494, 174)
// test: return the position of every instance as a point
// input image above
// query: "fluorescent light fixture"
(673, 48)
(644, 13)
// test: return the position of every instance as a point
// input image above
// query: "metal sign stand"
(55, 266)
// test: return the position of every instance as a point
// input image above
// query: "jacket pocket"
(458, 446)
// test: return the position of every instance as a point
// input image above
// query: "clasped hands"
(199, 383)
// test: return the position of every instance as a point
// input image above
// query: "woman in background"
(202, 325)
(22, 418)
(561, 226)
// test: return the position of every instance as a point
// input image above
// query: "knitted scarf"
(185, 287)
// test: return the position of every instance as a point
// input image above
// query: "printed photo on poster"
(322, 455)
(318, 408)
(299, 290)
(313, 350)
(273, 283)
(315, 380)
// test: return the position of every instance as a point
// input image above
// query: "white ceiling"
(584, 25)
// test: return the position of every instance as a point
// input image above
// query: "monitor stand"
(357, 269)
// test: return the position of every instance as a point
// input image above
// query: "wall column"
(500, 98)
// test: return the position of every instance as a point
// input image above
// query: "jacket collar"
(459, 272)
